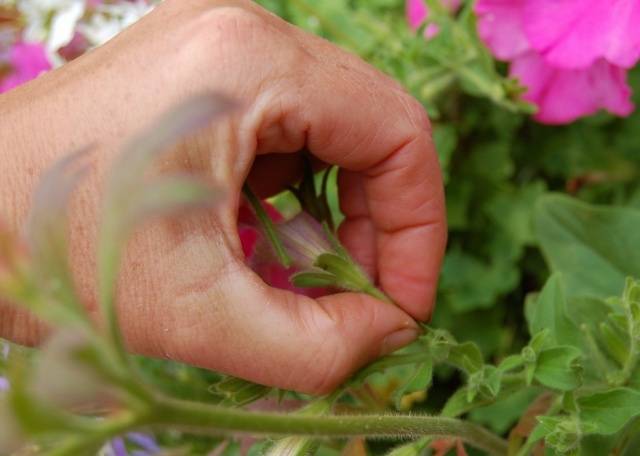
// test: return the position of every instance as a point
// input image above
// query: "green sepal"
(313, 280)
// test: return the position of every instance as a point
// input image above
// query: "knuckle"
(416, 114)
(232, 24)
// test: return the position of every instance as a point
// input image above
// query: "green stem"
(205, 419)
(267, 226)
(528, 446)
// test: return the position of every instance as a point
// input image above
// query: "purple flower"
(26, 61)
(4, 384)
(140, 445)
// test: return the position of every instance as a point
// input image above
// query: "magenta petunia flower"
(27, 61)
(578, 33)
(562, 93)
(500, 27)
(417, 13)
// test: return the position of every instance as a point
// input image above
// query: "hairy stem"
(208, 419)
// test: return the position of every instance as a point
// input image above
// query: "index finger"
(359, 120)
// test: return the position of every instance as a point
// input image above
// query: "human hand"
(185, 292)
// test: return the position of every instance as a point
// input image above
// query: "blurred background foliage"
(498, 163)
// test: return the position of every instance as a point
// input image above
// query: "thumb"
(279, 338)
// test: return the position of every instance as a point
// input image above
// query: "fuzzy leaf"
(414, 389)
(411, 449)
(466, 356)
(549, 312)
(237, 392)
(591, 245)
(610, 411)
(557, 368)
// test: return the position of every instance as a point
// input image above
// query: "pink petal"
(500, 26)
(576, 33)
(27, 62)
(417, 13)
(76, 47)
(563, 96)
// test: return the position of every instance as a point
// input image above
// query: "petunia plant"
(534, 347)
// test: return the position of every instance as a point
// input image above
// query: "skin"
(184, 290)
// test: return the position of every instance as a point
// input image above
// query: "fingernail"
(398, 339)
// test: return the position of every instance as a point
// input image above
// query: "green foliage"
(537, 331)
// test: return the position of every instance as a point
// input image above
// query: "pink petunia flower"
(578, 33)
(562, 94)
(27, 61)
(500, 27)
(417, 13)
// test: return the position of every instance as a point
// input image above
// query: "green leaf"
(610, 411)
(615, 341)
(549, 312)
(236, 392)
(502, 414)
(466, 357)
(411, 449)
(415, 387)
(558, 368)
(589, 244)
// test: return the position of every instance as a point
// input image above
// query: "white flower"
(52, 22)
(109, 20)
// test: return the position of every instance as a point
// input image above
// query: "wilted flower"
(63, 376)
(304, 239)
(26, 61)
(565, 78)
(261, 258)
